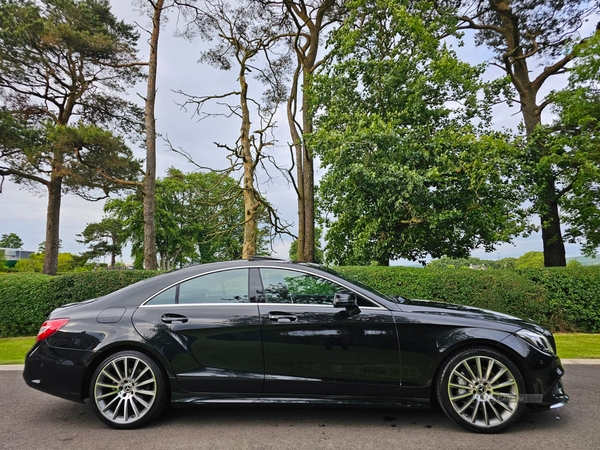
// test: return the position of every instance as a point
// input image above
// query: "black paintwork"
(388, 353)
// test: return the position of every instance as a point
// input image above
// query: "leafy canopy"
(410, 168)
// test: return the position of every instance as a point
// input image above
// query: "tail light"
(49, 327)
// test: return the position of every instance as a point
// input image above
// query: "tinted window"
(288, 286)
(229, 286)
(164, 298)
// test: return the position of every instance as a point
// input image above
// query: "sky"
(24, 212)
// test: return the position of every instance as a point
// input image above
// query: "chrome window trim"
(256, 266)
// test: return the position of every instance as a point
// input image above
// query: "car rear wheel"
(128, 390)
(480, 389)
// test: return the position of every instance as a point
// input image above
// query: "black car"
(264, 331)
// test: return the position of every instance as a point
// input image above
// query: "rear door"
(313, 348)
(208, 327)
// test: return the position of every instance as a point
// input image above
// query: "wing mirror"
(344, 299)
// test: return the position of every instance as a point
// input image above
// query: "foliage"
(573, 140)
(199, 217)
(104, 238)
(532, 40)
(35, 263)
(408, 172)
(26, 299)
(62, 65)
(11, 240)
(559, 298)
(530, 260)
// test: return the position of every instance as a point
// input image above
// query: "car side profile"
(275, 332)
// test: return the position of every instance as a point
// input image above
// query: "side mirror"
(344, 300)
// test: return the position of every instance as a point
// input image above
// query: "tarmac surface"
(30, 419)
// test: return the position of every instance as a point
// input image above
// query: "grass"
(13, 350)
(578, 345)
(570, 346)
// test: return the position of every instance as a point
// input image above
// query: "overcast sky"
(24, 212)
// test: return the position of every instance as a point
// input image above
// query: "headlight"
(537, 340)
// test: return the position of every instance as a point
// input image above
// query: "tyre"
(479, 389)
(128, 390)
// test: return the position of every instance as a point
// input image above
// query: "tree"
(319, 257)
(408, 173)
(199, 216)
(156, 9)
(522, 33)
(62, 61)
(530, 260)
(248, 37)
(310, 19)
(573, 148)
(104, 238)
(11, 240)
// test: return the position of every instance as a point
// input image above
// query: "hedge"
(562, 299)
(26, 299)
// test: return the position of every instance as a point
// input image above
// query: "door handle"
(282, 317)
(173, 318)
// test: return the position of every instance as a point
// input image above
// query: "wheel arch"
(477, 342)
(108, 350)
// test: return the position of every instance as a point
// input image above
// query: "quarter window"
(229, 286)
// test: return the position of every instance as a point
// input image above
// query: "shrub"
(27, 299)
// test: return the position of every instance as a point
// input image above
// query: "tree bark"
(516, 67)
(250, 203)
(150, 261)
(53, 225)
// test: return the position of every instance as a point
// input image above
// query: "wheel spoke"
(503, 385)
(485, 414)
(114, 365)
(134, 407)
(116, 411)
(140, 400)
(498, 375)
(109, 386)
(474, 414)
(108, 375)
(488, 372)
(108, 394)
(465, 364)
(478, 364)
(458, 397)
(460, 375)
(504, 405)
(498, 416)
(109, 404)
(141, 392)
(146, 369)
(466, 405)
(151, 380)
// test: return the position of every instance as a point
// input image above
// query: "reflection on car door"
(313, 348)
(209, 330)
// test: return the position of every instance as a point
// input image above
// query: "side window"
(288, 286)
(164, 298)
(229, 286)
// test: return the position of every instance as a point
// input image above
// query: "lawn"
(570, 346)
(13, 350)
(578, 345)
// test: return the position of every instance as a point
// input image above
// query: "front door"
(313, 348)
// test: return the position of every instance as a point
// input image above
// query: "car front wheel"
(128, 390)
(480, 389)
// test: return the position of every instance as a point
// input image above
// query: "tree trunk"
(150, 262)
(53, 225)
(547, 203)
(250, 203)
(516, 67)
(308, 179)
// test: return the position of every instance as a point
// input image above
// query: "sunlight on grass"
(578, 345)
(13, 350)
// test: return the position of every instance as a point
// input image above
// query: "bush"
(562, 299)
(27, 299)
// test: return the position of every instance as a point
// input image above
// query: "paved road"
(32, 420)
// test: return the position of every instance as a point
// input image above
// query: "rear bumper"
(57, 372)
